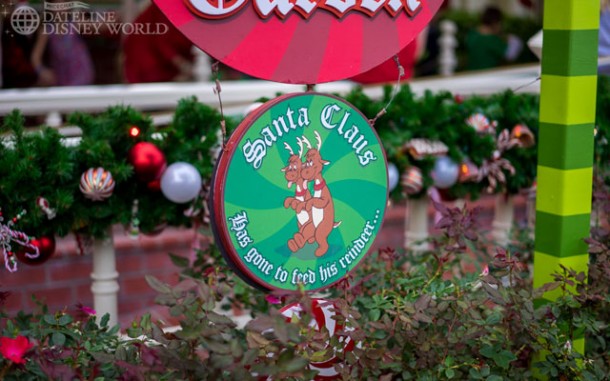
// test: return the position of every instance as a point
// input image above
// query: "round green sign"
(300, 192)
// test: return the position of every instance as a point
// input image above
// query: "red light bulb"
(134, 131)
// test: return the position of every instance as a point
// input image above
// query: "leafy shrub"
(431, 317)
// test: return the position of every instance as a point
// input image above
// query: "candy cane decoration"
(323, 312)
(46, 207)
(7, 236)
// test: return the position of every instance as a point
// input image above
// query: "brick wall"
(65, 280)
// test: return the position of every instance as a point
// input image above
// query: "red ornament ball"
(46, 249)
(148, 161)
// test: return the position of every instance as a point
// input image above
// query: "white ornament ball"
(393, 176)
(445, 172)
(181, 182)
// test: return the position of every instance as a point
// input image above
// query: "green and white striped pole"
(565, 157)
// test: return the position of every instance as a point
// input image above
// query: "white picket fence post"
(203, 66)
(104, 276)
(503, 219)
(53, 119)
(448, 43)
(416, 224)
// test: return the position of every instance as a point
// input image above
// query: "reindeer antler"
(307, 143)
(289, 148)
(319, 139)
(300, 144)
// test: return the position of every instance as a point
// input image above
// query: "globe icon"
(25, 20)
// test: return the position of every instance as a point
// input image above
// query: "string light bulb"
(134, 131)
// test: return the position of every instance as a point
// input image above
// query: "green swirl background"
(359, 193)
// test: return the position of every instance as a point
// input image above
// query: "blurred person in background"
(17, 68)
(604, 29)
(65, 54)
(604, 35)
(487, 47)
(157, 58)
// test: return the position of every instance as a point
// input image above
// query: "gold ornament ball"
(97, 184)
(468, 172)
(524, 135)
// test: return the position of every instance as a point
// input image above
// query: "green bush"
(413, 318)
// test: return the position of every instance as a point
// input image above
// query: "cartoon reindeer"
(292, 173)
(321, 204)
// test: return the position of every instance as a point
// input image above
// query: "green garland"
(443, 117)
(36, 165)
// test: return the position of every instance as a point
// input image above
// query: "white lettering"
(394, 5)
(265, 7)
(268, 136)
(279, 122)
(216, 11)
(413, 5)
(255, 152)
(261, 263)
(289, 114)
(327, 116)
(372, 6)
(341, 6)
(366, 158)
(307, 277)
(307, 6)
(303, 117)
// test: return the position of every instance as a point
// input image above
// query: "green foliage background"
(37, 164)
(443, 117)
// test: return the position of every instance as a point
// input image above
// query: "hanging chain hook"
(217, 91)
(401, 74)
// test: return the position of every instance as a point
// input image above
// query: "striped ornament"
(412, 180)
(97, 184)
(481, 124)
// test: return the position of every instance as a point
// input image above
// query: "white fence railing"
(54, 102)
